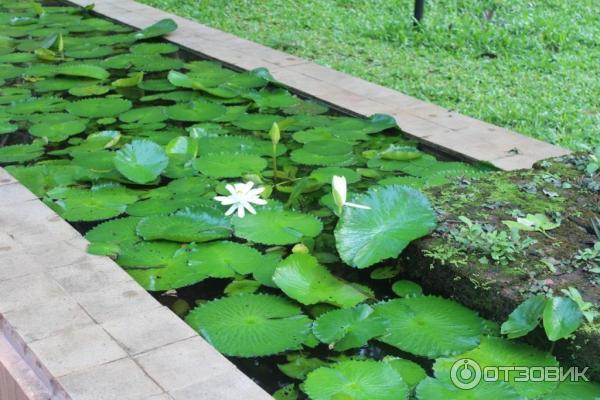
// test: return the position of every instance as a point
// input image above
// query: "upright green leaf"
(562, 317)
(524, 318)
(141, 161)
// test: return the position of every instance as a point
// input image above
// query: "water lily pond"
(269, 222)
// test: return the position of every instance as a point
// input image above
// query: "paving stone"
(30, 289)
(92, 274)
(223, 387)
(46, 317)
(5, 177)
(116, 300)
(14, 193)
(184, 363)
(76, 349)
(118, 380)
(149, 330)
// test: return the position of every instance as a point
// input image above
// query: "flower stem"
(274, 157)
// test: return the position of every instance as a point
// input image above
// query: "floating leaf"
(429, 326)
(299, 366)
(195, 111)
(83, 70)
(270, 226)
(575, 391)
(405, 288)
(58, 131)
(562, 317)
(326, 174)
(357, 380)
(495, 352)
(190, 225)
(241, 286)
(226, 259)
(434, 389)
(302, 278)
(411, 372)
(100, 202)
(18, 153)
(160, 28)
(524, 318)
(134, 79)
(397, 215)
(99, 107)
(145, 255)
(349, 328)
(116, 231)
(229, 165)
(251, 325)
(141, 161)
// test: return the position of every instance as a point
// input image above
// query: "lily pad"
(251, 325)
(83, 70)
(429, 326)
(397, 215)
(229, 165)
(271, 226)
(226, 259)
(99, 107)
(302, 278)
(141, 161)
(349, 328)
(434, 389)
(357, 380)
(19, 153)
(195, 111)
(160, 28)
(58, 131)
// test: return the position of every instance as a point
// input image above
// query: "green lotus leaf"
(141, 161)
(404, 288)
(9, 71)
(288, 392)
(153, 48)
(146, 255)
(97, 203)
(306, 107)
(160, 28)
(116, 231)
(241, 286)
(7, 127)
(357, 380)
(205, 83)
(302, 278)
(91, 90)
(145, 115)
(237, 144)
(349, 328)
(168, 205)
(19, 153)
(256, 122)
(411, 372)
(133, 79)
(562, 317)
(195, 111)
(302, 156)
(410, 181)
(99, 107)
(493, 352)
(397, 215)
(271, 226)
(299, 366)
(251, 325)
(246, 80)
(83, 70)
(225, 259)
(278, 98)
(10, 95)
(200, 224)
(575, 391)
(41, 178)
(326, 174)
(525, 318)
(176, 274)
(434, 389)
(56, 84)
(328, 147)
(89, 51)
(229, 165)
(36, 104)
(382, 273)
(156, 85)
(17, 58)
(58, 131)
(429, 326)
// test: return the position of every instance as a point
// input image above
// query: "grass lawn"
(532, 66)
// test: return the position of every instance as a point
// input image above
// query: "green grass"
(533, 66)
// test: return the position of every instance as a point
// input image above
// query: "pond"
(266, 220)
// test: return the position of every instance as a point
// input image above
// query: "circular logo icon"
(465, 373)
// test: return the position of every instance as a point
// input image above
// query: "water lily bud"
(300, 248)
(369, 154)
(339, 190)
(275, 134)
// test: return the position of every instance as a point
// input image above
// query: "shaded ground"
(528, 66)
(560, 190)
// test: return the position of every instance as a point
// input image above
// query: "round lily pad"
(99, 107)
(251, 325)
(141, 161)
(429, 326)
(229, 165)
(58, 131)
(195, 111)
(357, 380)
(226, 259)
(270, 226)
(18, 153)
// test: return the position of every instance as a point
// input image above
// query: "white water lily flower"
(340, 191)
(241, 198)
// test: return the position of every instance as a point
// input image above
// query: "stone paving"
(85, 329)
(437, 127)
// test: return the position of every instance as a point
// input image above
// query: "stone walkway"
(439, 128)
(85, 328)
